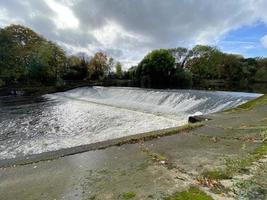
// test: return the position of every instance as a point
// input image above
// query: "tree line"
(184, 68)
(27, 58)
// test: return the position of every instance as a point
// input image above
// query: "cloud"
(129, 29)
(264, 41)
(65, 18)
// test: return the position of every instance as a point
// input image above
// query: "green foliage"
(154, 70)
(26, 57)
(193, 193)
(261, 70)
(128, 195)
(11, 68)
(160, 69)
(205, 63)
(119, 70)
(99, 66)
(250, 104)
(182, 78)
(76, 69)
(216, 175)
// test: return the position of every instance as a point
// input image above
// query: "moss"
(260, 151)
(128, 195)
(193, 193)
(250, 104)
(216, 175)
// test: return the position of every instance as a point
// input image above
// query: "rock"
(195, 119)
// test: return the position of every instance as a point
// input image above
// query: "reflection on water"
(86, 115)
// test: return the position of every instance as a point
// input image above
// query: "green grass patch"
(234, 166)
(193, 193)
(216, 175)
(250, 104)
(128, 195)
(240, 165)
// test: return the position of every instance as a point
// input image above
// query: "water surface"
(90, 114)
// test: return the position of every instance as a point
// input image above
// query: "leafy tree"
(10, 63)
(182, 78)
(232, 67)
(27, 56)
(76, 68)
(261, 72)
(46, 63)
(155, 69)
(205, 63)
(119, 70)
(98, 66)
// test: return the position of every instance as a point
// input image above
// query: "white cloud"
(264, 41)
(65, 18)
(128, 29)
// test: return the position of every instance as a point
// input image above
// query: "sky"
(128, 29)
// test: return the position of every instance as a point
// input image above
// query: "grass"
(250, 104)
(128, 195)
(193, 193)
(216, 175)
(237, 165)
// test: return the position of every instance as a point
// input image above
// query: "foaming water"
(92, 114)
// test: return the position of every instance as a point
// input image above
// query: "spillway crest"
(92, 114)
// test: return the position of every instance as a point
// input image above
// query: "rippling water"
(91, 114)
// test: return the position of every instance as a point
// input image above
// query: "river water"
(91, 114)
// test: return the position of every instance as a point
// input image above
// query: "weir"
(94, 114)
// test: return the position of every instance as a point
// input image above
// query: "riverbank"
(30, 90)
(225, 158)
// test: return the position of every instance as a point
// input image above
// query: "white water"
(87, 115)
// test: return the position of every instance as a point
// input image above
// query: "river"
(32, 125)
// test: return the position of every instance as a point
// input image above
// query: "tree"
(261, 73)
(155, 69)
(119, 70)
(76, 68)
(232, 67)
(205, 63)
(10, 63)
(46, 63)
(182, 78)
(181, 55)
(98, 66)
(26, 56)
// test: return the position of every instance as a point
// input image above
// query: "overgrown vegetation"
(192, 193)
(26, 58)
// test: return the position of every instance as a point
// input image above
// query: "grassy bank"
(250, 104)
